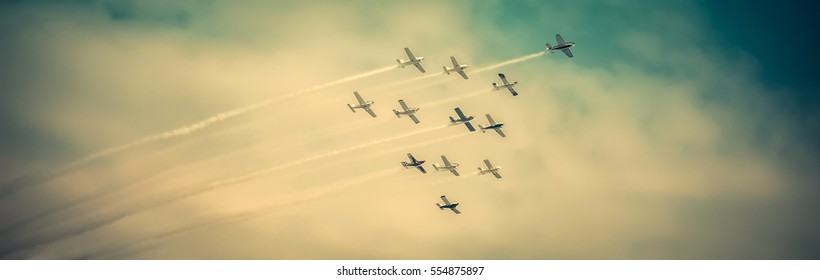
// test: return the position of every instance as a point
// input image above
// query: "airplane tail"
(397, 113)
(436, 166)
(400, 64)
(480, 170)
(446, 71)
(404, 163)
(495, 86)
(549, 47)
(482, 128)
(351, 108)
(452, 120)
(439, 206)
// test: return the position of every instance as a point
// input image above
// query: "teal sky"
(680, 130)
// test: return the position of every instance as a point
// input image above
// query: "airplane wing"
(489, 165)
(403, 105)
(512, 90)
(455, 210)
(559, 39)
(418, 65)
(460, 114)
(455, 62)
(446, 162)
(497, 176)
(500, 132)
(503, 79)
(413, 117)
(469, 126)
(359, 98)
(413, 159)
(454, 172)
(444, 198)
(567, 52)
(409, 54)
(463, 75)
(490, 118)
(421, 168)
(370, 111)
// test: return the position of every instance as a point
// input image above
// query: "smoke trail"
(122, 187)
(508, 62)
(418, 144)
(455, 98)
(250, 214)
(320, 156)
(80, 229)
(185, 130)
(415, 79)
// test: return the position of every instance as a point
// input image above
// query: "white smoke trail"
(508, 62)
(321, 156)
(456, 98)
(185, 130)
(244, 215)
(415, 79)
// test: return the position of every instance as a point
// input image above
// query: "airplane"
(447, 166)
(493, 125)
(457, 68)
(562, 46)
(490, 169)
(414, 163)
(362, 104)
(416, 61)
(447, 204)
(409, 111)
(506, 84)
(462, 119)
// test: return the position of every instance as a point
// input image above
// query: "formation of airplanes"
(460, 118)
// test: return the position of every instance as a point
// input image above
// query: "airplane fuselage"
(408, 112)
(495, 126)
(460, 68)
(449, 206)
(361, 106)
(498, 87)
(413, 164)
(412, 61)
(561, 47)
(439, 167)
(482, 171)
(460, 121)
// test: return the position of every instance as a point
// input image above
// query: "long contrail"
(185, 130)
(508, 62)
(20, 225)
(249, 214)
(77, 230)
(321, 156)
(313, 194)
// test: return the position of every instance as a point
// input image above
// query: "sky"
(219, 130)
